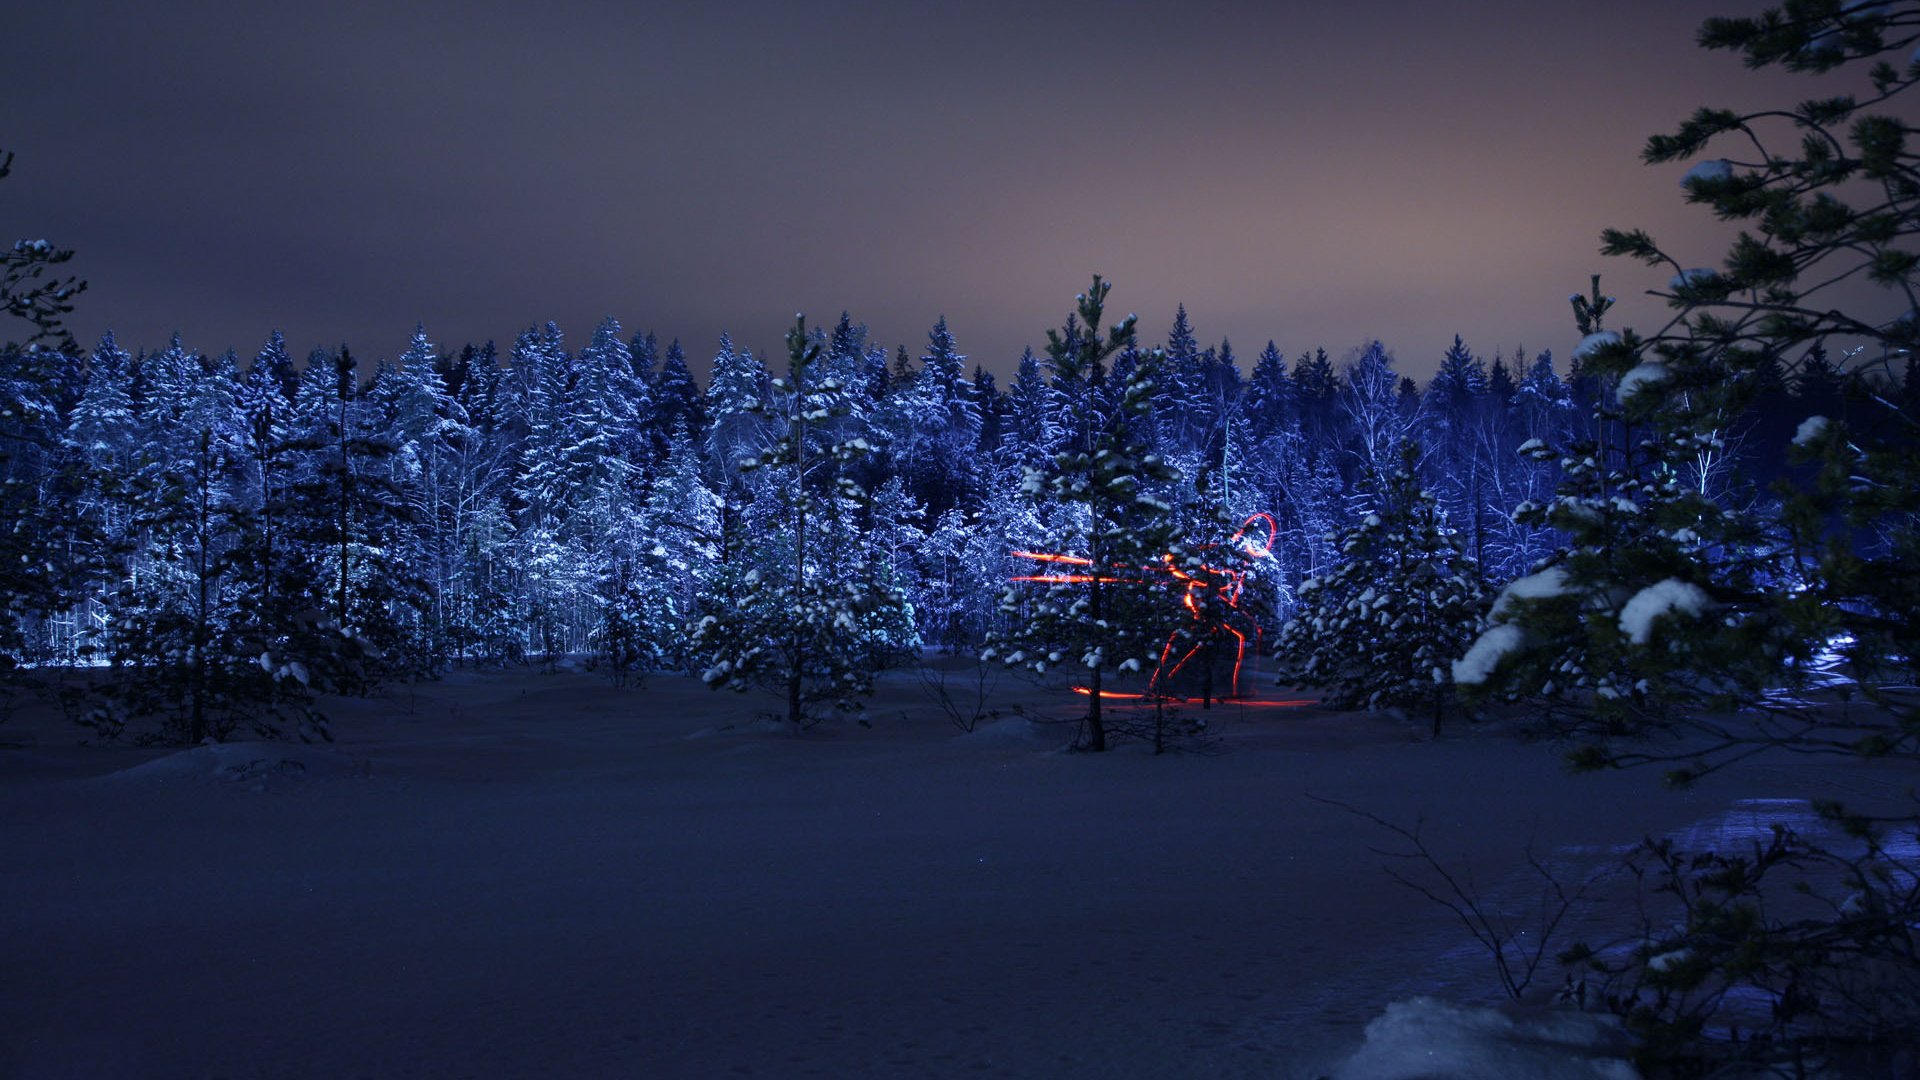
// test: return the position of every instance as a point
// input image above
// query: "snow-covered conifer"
(1382, 626)
(803, 611)
(1104, 610)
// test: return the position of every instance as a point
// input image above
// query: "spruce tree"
(682, 519)
(1033, 414)
(676, 396)
(1380, 628)
(39, 576)
(541, 496)
(1269, 405)
(102, 443)
(734, 409)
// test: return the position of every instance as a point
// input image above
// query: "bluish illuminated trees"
(458, 509)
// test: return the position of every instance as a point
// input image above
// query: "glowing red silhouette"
(1197, 584)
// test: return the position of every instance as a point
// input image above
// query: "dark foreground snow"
(527, 875)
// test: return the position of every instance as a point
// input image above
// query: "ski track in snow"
(525, 875)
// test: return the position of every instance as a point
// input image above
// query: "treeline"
(185, 512)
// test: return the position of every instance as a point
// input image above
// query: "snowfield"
(525, 875)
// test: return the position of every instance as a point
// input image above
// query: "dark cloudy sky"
(1315, 173)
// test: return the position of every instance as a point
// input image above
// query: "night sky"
(1319, 174)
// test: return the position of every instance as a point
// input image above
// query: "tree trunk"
(794, 657)
(197, 728)
(1096, 728)
(346, 497)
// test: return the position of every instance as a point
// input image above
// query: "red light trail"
(1196, 582)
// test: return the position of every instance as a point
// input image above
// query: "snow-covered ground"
(517, 874)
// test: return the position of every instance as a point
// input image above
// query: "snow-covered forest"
(329, 519)
(1692, 544)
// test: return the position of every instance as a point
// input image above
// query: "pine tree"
(809, 614)
(198, 641)
(353, 514)
(1218, 600)
(271, 577)
(1680, 607)
(1102, 612)
(30, 293)
(1566, 636)
(102, 440)
(38, 575)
